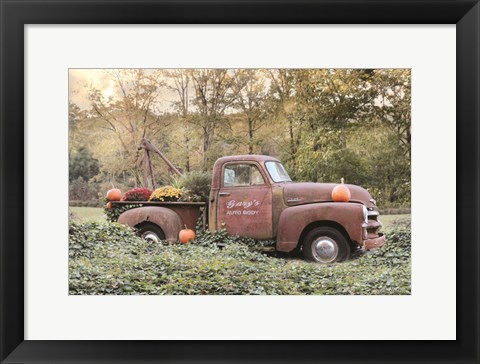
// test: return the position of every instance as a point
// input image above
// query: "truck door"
(245, 201)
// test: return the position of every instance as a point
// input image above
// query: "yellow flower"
(166, 193)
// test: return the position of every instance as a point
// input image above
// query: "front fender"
(294, 220)
(169, 221)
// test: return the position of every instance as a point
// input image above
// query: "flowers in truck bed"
(166, 193)
(137, 194)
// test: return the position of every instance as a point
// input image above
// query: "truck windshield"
(277, 172)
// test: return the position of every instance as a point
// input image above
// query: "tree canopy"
(323, 124)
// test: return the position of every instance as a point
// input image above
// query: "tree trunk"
(187, 157)
(250, 136)
(293, 148)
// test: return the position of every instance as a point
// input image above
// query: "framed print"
(52, 311)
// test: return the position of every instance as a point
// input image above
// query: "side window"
(242, 175)
(256, 178)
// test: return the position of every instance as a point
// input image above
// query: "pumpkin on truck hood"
(308, 192)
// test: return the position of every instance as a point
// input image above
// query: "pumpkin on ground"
(186, 235)
(109, 205)
(341, 193)
(114, 194)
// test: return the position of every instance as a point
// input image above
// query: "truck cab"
(253, 196)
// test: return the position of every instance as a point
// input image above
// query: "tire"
(325, 245)
(150, 232)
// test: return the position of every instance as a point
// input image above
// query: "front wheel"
(325, 245)
(150, 232)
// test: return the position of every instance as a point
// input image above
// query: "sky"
(81, 79)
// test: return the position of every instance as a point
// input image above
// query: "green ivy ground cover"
(108, 259)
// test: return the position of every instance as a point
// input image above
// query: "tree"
(393, 104)
(82, 164)
(281, 105)
(79, 189)
(181, 86)
(249, 90)
(213, 96)
(328, 103)
(129, 112)
(76, 132)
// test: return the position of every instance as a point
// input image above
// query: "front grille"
(374, 225)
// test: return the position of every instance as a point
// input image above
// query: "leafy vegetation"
(81, 190)
(82, 164)
(82, 168)
(107, 258)
(115, 211)
(196, 185)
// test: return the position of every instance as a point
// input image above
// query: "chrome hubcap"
(324, 249)
(151, 236)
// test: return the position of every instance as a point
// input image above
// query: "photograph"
(239, 181)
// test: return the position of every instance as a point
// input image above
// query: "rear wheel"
(150, 232)
(325, 245)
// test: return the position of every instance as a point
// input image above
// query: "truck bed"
(158, 203)
(188, 211)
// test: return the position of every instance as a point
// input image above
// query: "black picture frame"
(16, 14)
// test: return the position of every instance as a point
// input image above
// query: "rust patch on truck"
(171, 217)
(294, 220)
(309, 192)
(375, 242)
(244, 200)
(166, 219)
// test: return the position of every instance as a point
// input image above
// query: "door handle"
(224, 194)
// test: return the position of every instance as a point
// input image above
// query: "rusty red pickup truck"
(253, 196)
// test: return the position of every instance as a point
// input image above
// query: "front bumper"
(375, 242)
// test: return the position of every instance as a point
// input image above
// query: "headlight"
(365, 214)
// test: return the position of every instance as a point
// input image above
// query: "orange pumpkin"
(186, 235)
(109, 205)
(341, 193)
(114, 195)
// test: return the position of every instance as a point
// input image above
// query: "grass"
(108, 259)
(390, 221)
(91, 214)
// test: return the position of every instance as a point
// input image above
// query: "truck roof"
(246, 157)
